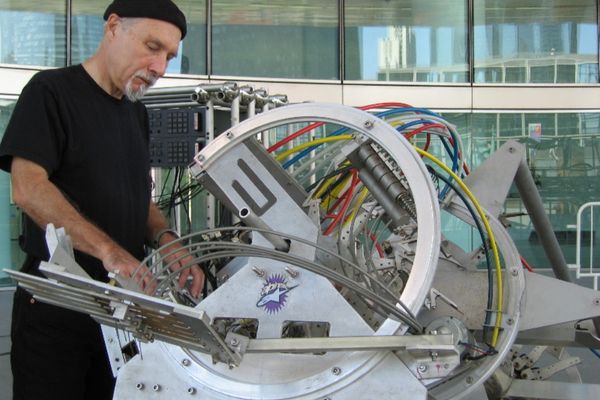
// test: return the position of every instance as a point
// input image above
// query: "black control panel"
(176, 135)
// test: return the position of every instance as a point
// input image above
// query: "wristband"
(160, 234)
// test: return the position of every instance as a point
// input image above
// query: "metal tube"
(235, 111)
(535, 208)
(250, 219)
(171, 90)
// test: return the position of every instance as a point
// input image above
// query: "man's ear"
(111, 25)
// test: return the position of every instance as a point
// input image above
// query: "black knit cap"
(164, 10)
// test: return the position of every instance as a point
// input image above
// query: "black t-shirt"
(95, 150)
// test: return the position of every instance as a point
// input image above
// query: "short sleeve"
(35, 130)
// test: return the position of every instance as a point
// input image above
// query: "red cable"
(348, 198)
(526, 265)
(377, 245)
(315, 125)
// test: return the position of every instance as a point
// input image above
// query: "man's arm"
(44, 203)
(177, 259)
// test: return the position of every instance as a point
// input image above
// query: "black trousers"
(57, 353)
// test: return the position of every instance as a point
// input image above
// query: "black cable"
(330, 175)
(490, 298)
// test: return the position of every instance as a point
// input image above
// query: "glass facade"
(519, 41)
(427, 41)
(275, 39)
(563, 154)
(10, 254)
(424, 41)
(33, 33)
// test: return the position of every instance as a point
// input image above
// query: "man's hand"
(118, 260)
(178, 258)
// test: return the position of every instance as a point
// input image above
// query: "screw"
(422, 368)
(369, 124)
(192, 390)
(259, 272)
(597, 302)
(446, 366)
(186, 362)
(292, 272)
(140, 386)
(509, 321)
(234, 342)
(514, 272)
(469, 380)
(336, 370)
(229, 135)
(511, 149)
(156, 387)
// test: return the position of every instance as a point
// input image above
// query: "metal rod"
(535, 208)
(351, 343)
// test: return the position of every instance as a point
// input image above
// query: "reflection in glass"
(275, 38)
(88, 27)
(561, 46)
(406, 40)
(33, 33)
(11, 255)
(563, 152)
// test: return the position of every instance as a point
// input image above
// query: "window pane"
(33, 32)
(11, 255)
(561, 46)
(88, 26)
(403, 40)
(275, 38)
(563, 153)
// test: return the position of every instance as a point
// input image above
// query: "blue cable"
(454, 154)
(596, 352)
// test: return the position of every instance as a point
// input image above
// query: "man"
(77, 151)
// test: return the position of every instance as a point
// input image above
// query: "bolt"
(192, 390)
(111, 340)
(511, 149)
(469, 380)
(229, 135)
(259, 272)
(369, 124)
(234, 342)
(514, 272)
(597, 302)
(422, 368)
(292, 272)
(509, 321)
(446, 366)
(336, 370)
(156, 388)
(140, 386)
(186, 362)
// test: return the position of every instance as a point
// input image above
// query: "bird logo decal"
(274, 294)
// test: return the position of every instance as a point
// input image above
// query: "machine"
(336, 279)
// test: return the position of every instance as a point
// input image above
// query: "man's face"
(140, 51)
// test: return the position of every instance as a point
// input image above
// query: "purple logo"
(273, 295)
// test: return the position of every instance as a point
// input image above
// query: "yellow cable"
(500, 294)
(324, 187)
(363, 193)
(303, 146)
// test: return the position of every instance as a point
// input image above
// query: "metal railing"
(587, 271)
